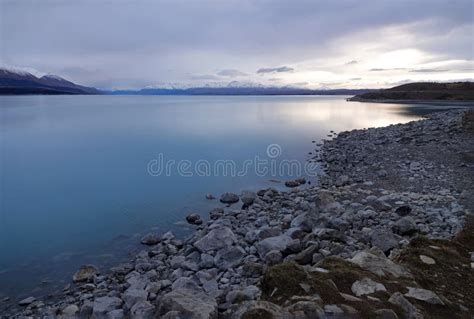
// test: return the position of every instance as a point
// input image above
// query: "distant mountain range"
(19, 82)
(421, 91)
(16, 82)
(233, 90)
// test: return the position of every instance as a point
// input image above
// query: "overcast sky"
(313, 44)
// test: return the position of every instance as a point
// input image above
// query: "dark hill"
(421, 91)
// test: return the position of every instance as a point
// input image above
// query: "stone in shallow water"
(151, 239)
(85, 273)
(427, 260)
(194, 219)
(229, 198)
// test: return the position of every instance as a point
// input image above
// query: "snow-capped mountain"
(21, 81)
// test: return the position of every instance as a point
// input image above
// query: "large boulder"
(424, 295)
(216, 239)
(384, 240)
(189, 305)
(366, 286)
(405, 226)
(379, 264)
(410, 310)
(229, 257)
(279, 243)
(103, 305)
(142, 310)
(151, 239)
(194, 219)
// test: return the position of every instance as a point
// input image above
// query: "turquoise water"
(78, 180)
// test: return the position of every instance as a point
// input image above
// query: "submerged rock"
(229, 198)
(85, 273)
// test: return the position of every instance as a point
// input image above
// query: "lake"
(84, 177)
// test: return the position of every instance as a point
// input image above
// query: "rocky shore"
(387, 234)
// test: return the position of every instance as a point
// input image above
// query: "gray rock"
(279, 243)
(427, 260)
(342, 180)
(133, 295)
(248, 309)
(405, 226)
(385, 314)
(366, 286)
(379, 264)
(70, 310)
(248, 293)
(410, 310)
(26, 301)
(186, 284)
(383, 239)
(229, 257)
(305, 221)
(424, 295)
(216, 213)
(115, 314)
(248, 197)
(229, 198)
(216, 239)
(189, 305)
(142, 310)
(273, 257)
(150, 239)
(85, 273)
(305, 257)
(102, 305)
(194, 219)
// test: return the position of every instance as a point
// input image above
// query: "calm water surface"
(75, 187)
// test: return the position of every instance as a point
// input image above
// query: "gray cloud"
(275, 70)
(351, 62)
(428, 70)
(231, 73)
(383, 70)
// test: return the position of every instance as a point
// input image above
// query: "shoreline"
(240, 260)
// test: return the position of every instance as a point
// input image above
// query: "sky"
(130, 44)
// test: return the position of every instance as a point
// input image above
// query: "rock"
(102, 305)
(115, 314)
(85, 273)
(259, 309)
(216, 213)
(405, 226)
(427, 260)
(333, 310)
(229, 198)
(252, 269)
(216, 239)
(142, 310)
(305, 257)
(70, 310)
(151, 239)
(273, 257)
(248, 198)
(366, 286)
(305, 222)
(342, 180)
(210, 196)
(403, 210)
(194, 219)
(424, 295)
(248, 293)
(379, 264)
(279, 243)
(385, 314)
(384, 240)
(411, 311)
(133, 295)
(229, 257)
(186, 284)
(189, 305)
(26, 301)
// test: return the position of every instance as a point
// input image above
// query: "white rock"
(366, 286)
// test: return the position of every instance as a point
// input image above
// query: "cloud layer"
(129, 44)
